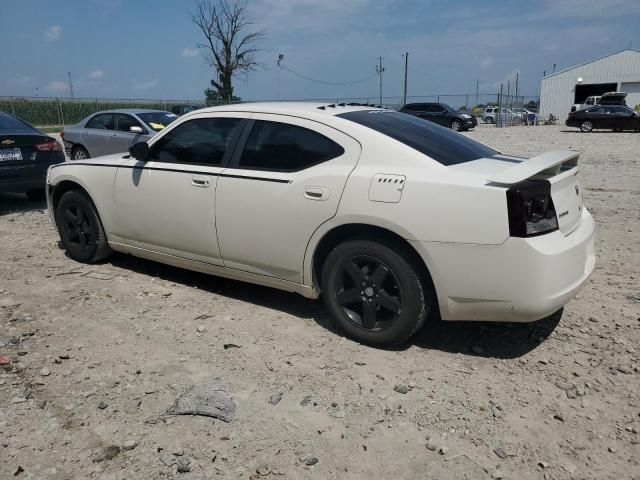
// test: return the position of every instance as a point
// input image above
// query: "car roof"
(133, 111)
(287, 108)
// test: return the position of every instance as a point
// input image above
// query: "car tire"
(375, 292)
(489, 120)
(586, 126)
(456, 125)
(79, 153)
(80, 228)
(36, 195)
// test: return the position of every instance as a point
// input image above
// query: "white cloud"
(485, 62)
(96, 74)
(189, 52)
(145, 85)
(52, 33)
(21, 80)
(57, 86)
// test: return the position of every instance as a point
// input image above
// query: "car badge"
(7, 142)
(577, 190)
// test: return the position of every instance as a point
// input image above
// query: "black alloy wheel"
(80, 228)
(375, 292)
(368, 293)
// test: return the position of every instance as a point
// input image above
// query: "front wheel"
(375, 293)
(586, 126)
(489, 120)
(456, 125)
(80, 228)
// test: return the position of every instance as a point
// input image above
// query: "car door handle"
(200, 181)
(316, 193)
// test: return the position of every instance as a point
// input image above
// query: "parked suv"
(112, 131)
(442, 114)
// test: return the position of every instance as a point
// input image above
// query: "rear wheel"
(375, 293)
(79, 153)
(455, 125)
(586, 126)
(80, 228)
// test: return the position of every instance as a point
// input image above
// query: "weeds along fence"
(66, 111)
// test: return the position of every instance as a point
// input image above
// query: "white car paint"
(266, 231)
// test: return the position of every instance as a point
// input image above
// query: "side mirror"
(140, 151)
(136, 129)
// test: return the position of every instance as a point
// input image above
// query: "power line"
(324, 82)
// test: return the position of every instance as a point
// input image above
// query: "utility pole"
(70, 84)
(477, 86)
(517, 78)
(554, 68)
(380, 69)
(406, 68)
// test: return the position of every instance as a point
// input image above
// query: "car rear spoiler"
(549, 163)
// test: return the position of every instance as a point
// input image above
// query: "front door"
(167, 204)
(122, 136)
(284, 183)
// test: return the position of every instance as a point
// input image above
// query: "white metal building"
(616, 72)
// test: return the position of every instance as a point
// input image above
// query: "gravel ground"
(100, 352)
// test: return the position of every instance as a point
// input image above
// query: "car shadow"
(630, 132)
(19, 203)
(483, 339)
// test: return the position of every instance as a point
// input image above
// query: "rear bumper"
(470, 122)
(522, 280)
(25, 177)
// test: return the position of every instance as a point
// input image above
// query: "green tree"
(230, 42)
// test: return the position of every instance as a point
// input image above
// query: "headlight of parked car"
(464, 115)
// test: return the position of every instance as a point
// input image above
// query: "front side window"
(104, 121)
(198, 141)
(441, 144)
(285, 147)
(125, 122)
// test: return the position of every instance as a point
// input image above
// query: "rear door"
(282, 185)
(97, 135)
(622, 118)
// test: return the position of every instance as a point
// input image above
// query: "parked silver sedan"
(112, 131)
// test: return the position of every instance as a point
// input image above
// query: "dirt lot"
(100, 352)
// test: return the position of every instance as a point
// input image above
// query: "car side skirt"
(220, 271)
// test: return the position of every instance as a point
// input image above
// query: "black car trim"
(176, 170)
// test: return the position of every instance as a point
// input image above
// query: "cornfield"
(59, 112)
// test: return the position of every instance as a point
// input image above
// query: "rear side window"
(200, 141)
(440, 143)
(285, 147)
(104, 121)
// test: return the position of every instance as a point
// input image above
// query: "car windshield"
(9, 123)
(442, 144)
(157, 120)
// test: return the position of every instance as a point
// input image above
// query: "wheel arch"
(60, 188)
(333, 236)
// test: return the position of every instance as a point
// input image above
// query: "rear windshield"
(442, 144)
(9, 123)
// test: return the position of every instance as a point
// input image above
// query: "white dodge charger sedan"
(387, 215)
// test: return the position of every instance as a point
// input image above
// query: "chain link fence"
(56, 112)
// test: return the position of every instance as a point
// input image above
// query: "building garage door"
(585, 90)
(633, 91)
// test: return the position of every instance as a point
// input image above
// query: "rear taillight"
(531, 210)
(50, 145)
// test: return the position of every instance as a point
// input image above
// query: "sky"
(148, 48)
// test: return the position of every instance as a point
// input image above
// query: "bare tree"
(230, 41)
